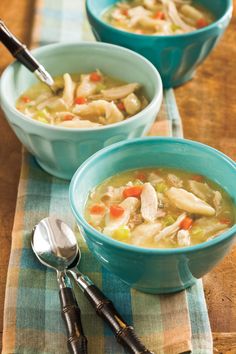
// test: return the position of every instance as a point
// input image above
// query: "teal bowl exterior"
(153, 270)
(176, 57)
(59, 150)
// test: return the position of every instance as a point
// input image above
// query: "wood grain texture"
(208, 107)
(18, 16)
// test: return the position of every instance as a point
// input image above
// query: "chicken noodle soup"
(158, 17)
(160, 208)
(85, 101)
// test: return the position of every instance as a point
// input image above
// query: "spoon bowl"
(54, 243)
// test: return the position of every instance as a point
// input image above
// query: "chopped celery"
(122, 233)
(197, 232)
(161, 187)
(175, 27)
(168, 220)
(40, 114)
(138, 182)
(42, 120)
(100, 87)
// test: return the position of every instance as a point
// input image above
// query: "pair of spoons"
(55, 245)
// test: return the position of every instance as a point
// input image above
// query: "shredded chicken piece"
(211, 226)
(201, 190)
(137, 13)
(130, 205)
(183, 238)
(99, 108)
(69, 90)
(54, 103)
(119, 92)
(154, 178)
(113, 194)
(172, 13)
(217, 201)
(86, 87)
(187, 201)
(174, 180)
(149, 202)
(170, 230)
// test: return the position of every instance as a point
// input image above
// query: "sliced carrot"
(201, 22)
(95, 76)
(186, 223)
(25, 99)
(68, 117)
(121, 106)
(141, 176)
(80, 100)
(97, 209)
(116, 211)
(226, 221)
(139, 31)
(125, 12)
(159, 15)
(198, 178)
(134, 191)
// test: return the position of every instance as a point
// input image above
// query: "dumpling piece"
(144, 232)
(187, 201)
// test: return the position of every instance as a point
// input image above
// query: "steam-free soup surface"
(158, 17)
(160, 208)
(88, 100)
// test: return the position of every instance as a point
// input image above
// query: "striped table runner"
(167, 324)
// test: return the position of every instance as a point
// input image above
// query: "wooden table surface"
(208, 108)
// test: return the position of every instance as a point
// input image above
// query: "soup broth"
(160, 208)
(85, 101)
(158, 17)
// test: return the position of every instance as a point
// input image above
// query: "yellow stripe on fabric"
(146, 311)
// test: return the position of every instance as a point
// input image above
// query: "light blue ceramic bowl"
(176, 57)
(153, 270)
(59, 150)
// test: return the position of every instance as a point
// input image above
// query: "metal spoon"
(23, 55)
(70, 257)
(54, 245)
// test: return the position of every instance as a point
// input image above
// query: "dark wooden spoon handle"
(125, 334)
(77, 342)
(16, 48)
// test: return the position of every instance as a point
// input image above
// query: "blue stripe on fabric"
(173, 114)
(201, 331)
(119, 294)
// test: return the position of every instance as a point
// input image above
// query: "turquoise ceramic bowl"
(176, 57)
(153, 270)
(59, 150)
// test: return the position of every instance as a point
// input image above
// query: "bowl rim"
(101, 238)
(157, 81)
(97, 17)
